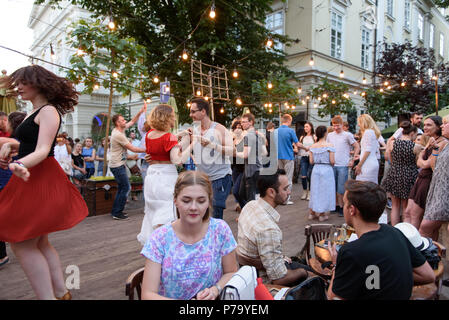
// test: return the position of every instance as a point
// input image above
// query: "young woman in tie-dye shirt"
(193, 257)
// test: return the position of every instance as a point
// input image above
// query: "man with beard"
(260, 238)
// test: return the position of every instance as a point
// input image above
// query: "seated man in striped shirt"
(260, 238)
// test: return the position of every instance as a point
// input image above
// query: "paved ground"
(106, 251)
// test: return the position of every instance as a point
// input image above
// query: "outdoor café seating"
(134, 284)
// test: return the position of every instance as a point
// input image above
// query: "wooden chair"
(134, 282)
(317, 232)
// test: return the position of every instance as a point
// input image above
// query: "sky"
(14, 33)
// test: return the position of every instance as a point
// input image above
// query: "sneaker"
(389, 203)
(4, 261)
(308, 196)
(289, 202)
(304, 195)
(121, 216)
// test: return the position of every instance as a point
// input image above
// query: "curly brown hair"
(59, 92)
(160, 117)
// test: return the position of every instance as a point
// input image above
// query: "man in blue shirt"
(286, 137)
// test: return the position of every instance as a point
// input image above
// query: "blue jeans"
(236, 180)
(341, 176)
(221, 189)
(306, 171)
(122, 191)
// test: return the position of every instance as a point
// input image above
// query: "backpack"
(313, 288)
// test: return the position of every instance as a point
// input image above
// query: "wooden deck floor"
(106, 251)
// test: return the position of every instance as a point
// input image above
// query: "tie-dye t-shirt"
(189, 268)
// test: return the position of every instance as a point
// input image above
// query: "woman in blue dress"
(322, 185)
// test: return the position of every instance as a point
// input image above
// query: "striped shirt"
(260, 237)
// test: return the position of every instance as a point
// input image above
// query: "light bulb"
(167, 89)
(364, 80)
(311, 62)
(222, 110)
(386, 83)
(148, 100)
(111, 25)
(363, 94)
(212, 12)
(206, 98)
(307, 97)
(299, 90)
(324, 95)
(304, 102)
(419, 82)
(355, 92)
(403, 84)
(270, 105)
(235, 74)
(389, 87)
(115, 74)
(315, 105)
(96, 86)
(239, 101)
(266, 105)
(188, 104)
(270, 111)
(269, 43)
(333, 101)
(185, 56)
(198, 92)
(156, 79)
(293, 107)
(381, 90)
(342, 74)
(80, 52)
(269, 85)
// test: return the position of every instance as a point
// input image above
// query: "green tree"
(235, 38)
(104, 58)
(404, 73)
(333, 98)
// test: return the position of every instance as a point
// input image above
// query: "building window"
(441, 44)
(420, 26)
(407, 14)
(275, 23)
(365, 48)
(390, 8)
(431, 35)
(336, 35)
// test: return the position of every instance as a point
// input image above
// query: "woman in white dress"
(165, 152)
(368, 167)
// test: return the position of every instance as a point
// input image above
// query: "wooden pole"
(108, 122)
(436, 96)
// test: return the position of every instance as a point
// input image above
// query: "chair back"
(317, 232)
(134, 282)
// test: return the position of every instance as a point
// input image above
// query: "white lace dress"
(370, 168)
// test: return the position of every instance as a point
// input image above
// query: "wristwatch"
(219, 288)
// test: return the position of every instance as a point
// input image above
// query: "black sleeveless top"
(28, 132)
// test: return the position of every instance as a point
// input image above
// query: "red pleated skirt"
(46, 203)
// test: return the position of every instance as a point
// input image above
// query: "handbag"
(313, 288)
(241, 286)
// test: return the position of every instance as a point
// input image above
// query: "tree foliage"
(334, 98)
(404, 74)
(235, 38)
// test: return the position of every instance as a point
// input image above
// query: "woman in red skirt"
(39, 198)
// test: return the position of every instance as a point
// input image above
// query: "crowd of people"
(190, 250)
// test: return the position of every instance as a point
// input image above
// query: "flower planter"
(99, 196)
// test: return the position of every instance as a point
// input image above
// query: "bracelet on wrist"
(218, 288)
(435, 155)
(19, 163)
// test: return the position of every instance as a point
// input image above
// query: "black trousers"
(2, 250)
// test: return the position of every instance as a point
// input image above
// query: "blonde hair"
(366, 122)
(424, 139)
(159, 118)
(192, 178)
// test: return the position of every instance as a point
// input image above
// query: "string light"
(363, 94)
(235, 74)
(222, 110)
(293, 107)
(434, 78)
(269, 85)
(355, 92)
(80, 52)
(266, 105)
(167, 89)
(111, 24)
(206, 98)
(386, 83)
(319, 98)
(212, 11)
(238, 101)
(185, 56)
(269, 43)
(96, 86)
(364, 80)
(381, 90)
(419, 82)
(324, 95)
(188, 105)
(307, 97)
(311, 62)
(115, 74)
(270, 105)
(149, 100)
(198, 92)
(304, 102)
(403, 84)
(270, 111)
(342, 74)
(156, 79)
(389, 87)
(299, 90)
(315, 105)
(334, 102)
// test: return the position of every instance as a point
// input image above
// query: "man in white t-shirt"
(117, 162)
(342, 142)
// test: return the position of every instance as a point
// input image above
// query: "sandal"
(67, 296)
(323, 218)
